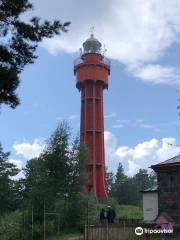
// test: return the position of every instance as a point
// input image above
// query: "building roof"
(151, 189)
(92, 45)
(170, 162)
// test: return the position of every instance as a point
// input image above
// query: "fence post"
(85, 232)
(124, 230)
(58, 228)
(107, 232)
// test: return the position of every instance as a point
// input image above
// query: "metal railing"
(78, 61)
(105, 60)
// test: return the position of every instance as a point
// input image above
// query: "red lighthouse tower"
(91, 71)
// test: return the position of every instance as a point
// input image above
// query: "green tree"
(7, 185)
(120, 175)
(56, 178)
(142, 179)
(47, 177)
(11, 226)
(152, 179)
(110, 178)
(78, 159)
(19, 41)
(56, 161)
(77, 201)
(35, 189)
(127, 190)
(119, 185)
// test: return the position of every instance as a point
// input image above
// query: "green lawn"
(123, 211)
(128, 211)
(70, 236)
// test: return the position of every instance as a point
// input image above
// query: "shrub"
(12, 226)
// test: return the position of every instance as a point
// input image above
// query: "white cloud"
(143, 155)
(118, 126)
(147, 126)
(74, 116)
(19, 165)
(29, 150)
(111, 115)
(135, 123)
(112, 159)
(59, 118)
(137, 33)
(123, 120)
(158, 74)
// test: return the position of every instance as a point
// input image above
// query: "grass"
(128, 211)
(68, 236)
(122, 211)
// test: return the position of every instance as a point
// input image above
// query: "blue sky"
(141, 119)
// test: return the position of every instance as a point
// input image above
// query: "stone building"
(168, 178)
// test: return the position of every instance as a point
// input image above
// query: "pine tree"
(7, 185)
(127, 190)
(120, 175)
(19, 41)
(121, 189)
(110, 178)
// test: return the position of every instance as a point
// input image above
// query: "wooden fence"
(130, 221)
(112, 232)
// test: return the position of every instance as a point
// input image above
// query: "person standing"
(103, 216)
(111, 215)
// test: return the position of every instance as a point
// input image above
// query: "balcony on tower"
(91, 65)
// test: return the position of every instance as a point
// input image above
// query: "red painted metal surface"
(91, 79)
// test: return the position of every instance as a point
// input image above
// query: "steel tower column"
(91, 72)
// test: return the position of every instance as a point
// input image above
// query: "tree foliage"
(11, 226)
(126, 190)
(53, 184)
(8, 186)
(19, 41)
(55, 178)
